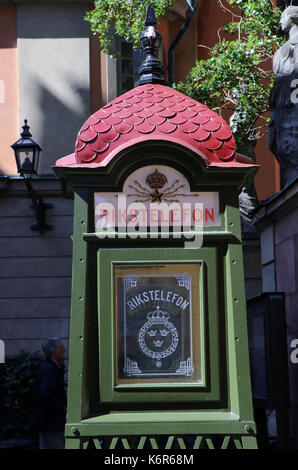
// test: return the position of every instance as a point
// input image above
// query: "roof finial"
(150, 19)
(151, 70)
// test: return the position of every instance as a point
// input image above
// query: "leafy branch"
(127, 17)
(238, 75)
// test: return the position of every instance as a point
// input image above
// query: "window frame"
(209, 389)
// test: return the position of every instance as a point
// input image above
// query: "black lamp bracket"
(39, 208)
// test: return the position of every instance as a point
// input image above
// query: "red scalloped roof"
(154, 112)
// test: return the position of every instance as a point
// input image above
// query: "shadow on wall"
(59, 124)
(54, 125)
(53, 61)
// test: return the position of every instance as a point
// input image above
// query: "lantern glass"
(26, 160)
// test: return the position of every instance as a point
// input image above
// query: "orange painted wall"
(185, 53)
(9, 122)
(210, 17)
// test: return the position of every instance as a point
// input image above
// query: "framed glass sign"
(157, 323)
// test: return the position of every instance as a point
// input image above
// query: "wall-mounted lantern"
(27, 152)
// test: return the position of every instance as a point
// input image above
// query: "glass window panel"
(127, 83)
(126, 49)
(138, 59)
(127, 66)
(158, 329)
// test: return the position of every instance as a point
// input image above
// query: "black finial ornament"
(150, 19)
(26, 132)
(151, 70)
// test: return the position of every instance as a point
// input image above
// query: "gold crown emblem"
(156, 180)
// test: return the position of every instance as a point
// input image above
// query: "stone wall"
(35, 270)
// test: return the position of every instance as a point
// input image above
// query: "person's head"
(53, 348)
(289, 18)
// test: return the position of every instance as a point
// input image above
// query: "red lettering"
(103, 214)
(173, 220)
(152, 219)
(164, 221)
(209, 215)
(197, 215)
(186, 214)
(122, 215)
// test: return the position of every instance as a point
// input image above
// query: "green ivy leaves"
(238, 75)
(127, 17)
(17, 375)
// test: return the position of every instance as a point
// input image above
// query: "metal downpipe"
(171, 59)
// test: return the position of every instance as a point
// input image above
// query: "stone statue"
(283, 128)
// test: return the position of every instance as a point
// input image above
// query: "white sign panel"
(156, 195)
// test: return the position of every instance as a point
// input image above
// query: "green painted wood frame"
(173, 393)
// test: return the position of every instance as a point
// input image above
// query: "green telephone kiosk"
(158, 345)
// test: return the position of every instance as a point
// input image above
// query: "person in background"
(50, 396)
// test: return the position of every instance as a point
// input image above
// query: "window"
(158, 327)
(157, 310)
(127, 66)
